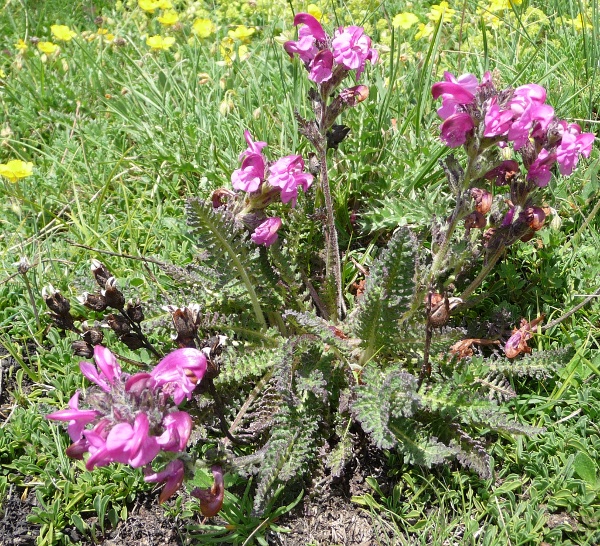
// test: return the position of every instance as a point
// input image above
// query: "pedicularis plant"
(285, 372)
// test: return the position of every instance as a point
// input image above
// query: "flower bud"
(475, 220)
(101, 274)
(483, 200)
(113, 296)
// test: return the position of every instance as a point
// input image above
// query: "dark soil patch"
(15, 530)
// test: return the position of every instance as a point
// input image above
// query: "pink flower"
(352, 48)
(287, 174)
(172, 475)
(312, 31)
(454, 130)
(266, 232)
(77, 418)
(178, 427)
(321, 67)
(96, 445)
(179, 372)
(132, 444)
(253, 147)
(211, 500)
(454, 92)
(109, 369)
(539, 171)
(250, 176)
(572, 144)
(497, 121)
(527, 111)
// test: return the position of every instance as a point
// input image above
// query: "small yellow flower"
(242, 33)
(168, 18)
(164, 4)
(21, 45)
(437, 10)
(159, 42)
(425, 31)
(62, 33)
(2, 73)
(579, 23)
(315, 11)
(203, 28)
(149, 6)
(404, 20)
(102, 31)
(16, 169)
(47, 47)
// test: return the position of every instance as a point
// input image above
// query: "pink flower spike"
(454, 130)
(314, 27)
(253, 147)
(78, 419)
(321, 67)
(266, 232)
(539, 171)
(172, 475)
(178, 427)
(251, 174)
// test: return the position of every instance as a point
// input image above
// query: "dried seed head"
(483, 200)
(101, 274)
(23, 265)
(475, 220)
(95, 302)
(56, 301)
(132, 341)
(114, 297)
(134, 311)
(93, 336)
(81, 348)
(118, 324)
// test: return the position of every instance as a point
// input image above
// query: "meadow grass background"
(120, 135)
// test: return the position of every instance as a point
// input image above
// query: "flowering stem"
(332, 261)
(482, 274)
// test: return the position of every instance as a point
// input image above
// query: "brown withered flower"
(483, 200)
(95, 302)
(517, 343)
(113, 296)
(475, 220)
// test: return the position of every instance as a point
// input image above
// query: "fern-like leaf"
(388, 294)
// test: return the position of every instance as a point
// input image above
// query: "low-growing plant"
(285, 368)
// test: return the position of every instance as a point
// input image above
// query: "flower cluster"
(131, 418)
(478, 111)
(329, 59)
(266, 183)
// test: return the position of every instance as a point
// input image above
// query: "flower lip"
(313, 25)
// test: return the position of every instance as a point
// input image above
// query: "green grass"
(121, 136)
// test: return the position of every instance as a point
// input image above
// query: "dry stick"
(571, 311)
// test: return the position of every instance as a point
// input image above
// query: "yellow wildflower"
(203, 28)
(62, 33)
(148, 5)
(16, 169)
(159, 42)
(437, 10)
(164, 4)
(315, 11)
(579, 23)
(21, 45)
(47, 47)
(425, 31)
(2, 73)
(168, 18)
(404, 20)
(242, 33)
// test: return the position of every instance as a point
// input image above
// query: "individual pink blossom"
(573, 143)
(539, 171)
(250, 176)
(454, 130)
(178, 373)
(454, 92)
(321, 67)
(78, 419)
(108, 368)
(287, 174)
(526, 113)
(312, 31)
(132, 445)
(352, 48)
(178, 427)
(172, 476)
(211, 500)
(96, 445)
(497, 121)
(266, 232)
(253, 147)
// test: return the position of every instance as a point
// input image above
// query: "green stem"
(482, 274)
